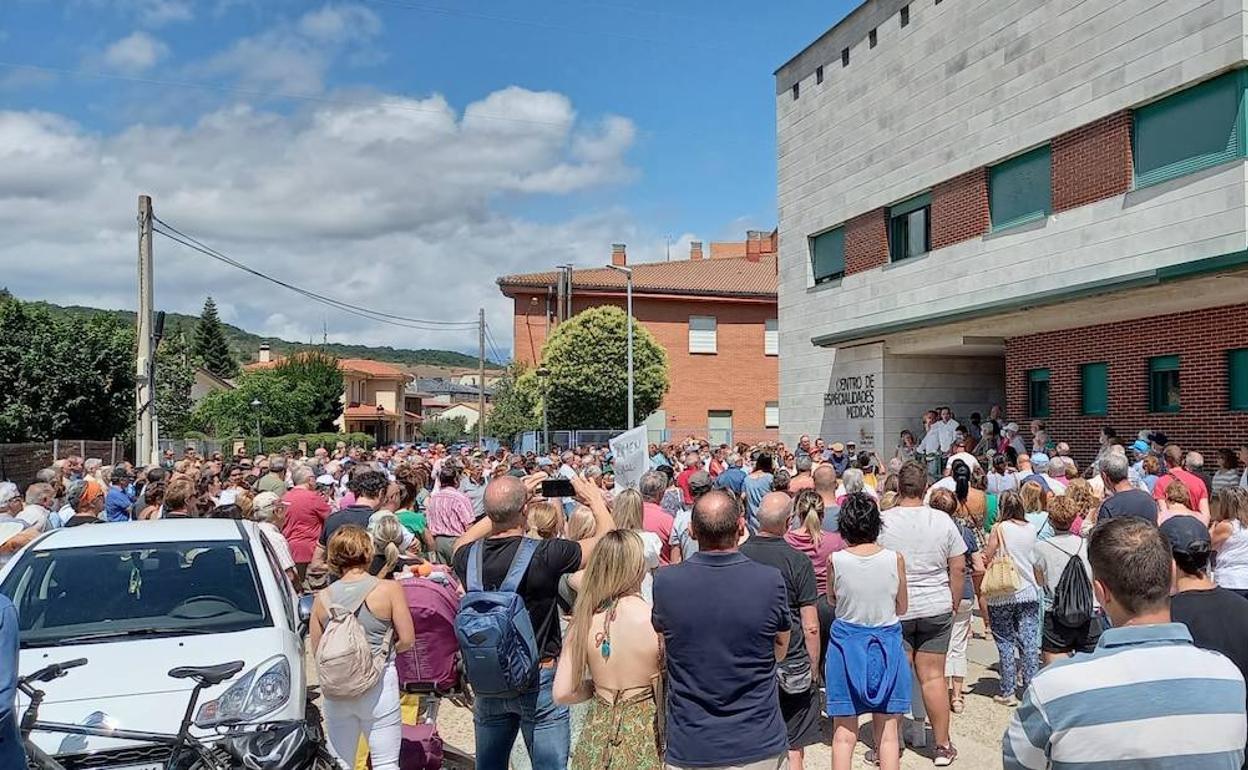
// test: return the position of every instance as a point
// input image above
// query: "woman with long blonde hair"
(1230, 541)
(627, 512)
(611, 638)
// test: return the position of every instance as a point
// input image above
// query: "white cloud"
(294, 56)
(157, 13)
(391, 206)
(135, 53)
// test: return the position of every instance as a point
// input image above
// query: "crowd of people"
(741, 600)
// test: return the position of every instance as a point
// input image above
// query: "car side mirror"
(305, 611)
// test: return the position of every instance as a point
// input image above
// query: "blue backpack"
(494, 630)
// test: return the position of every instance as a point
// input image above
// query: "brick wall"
(1200, 337)
(866, 241)
(1092, 162)
(960, 209)
(739, 377)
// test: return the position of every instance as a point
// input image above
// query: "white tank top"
(866, 587)
(1232, 564)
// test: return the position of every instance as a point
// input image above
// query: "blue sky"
(621, 120)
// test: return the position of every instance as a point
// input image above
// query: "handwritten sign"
(856, 394)
(629, 458)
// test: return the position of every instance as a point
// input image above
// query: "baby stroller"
(431, 670)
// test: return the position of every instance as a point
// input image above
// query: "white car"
(137, 599)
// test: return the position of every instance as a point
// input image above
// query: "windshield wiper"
(99, 635)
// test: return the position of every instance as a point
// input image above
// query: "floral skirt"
(618, 733)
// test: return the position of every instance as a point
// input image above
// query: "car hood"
(128, 682)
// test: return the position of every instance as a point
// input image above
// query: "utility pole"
(145, 447)
(481, 377)
(628, 274)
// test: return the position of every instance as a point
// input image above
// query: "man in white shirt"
(38, 502)
(928, 450)
(946, 429)
(269, 511)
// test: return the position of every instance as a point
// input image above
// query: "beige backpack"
(346, 665)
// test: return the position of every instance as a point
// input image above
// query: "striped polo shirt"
(1147, 697)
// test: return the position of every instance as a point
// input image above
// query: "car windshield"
(102, 593)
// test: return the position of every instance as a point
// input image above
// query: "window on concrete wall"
(818, 74)
(1038, 393)
(905, 15)
(1163, 384)
(827, 255)
(771, 337)
(1020, 189)
(702, 334)
(909, 227)
(771, 415)
(1194, 129)
(1094, 388)
(1237, 379)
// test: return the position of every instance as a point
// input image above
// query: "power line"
(494, 351)
(372, 315)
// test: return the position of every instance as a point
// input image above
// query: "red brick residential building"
(715, 316)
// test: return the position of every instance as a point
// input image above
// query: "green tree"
(283, 408)
(174, 378)
(517, 405)
(320, 373)
(588, 382)
(445, 430)
(63, 378)
(211, 348)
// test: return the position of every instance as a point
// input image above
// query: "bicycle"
(180, 751)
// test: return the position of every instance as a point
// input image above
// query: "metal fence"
(20, 462)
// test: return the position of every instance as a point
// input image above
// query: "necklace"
(602, 640)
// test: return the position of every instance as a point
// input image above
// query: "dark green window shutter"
(1163, 384)
(1191, 130)
(827, 255)
(1021, 189)
(1094, 382)
(1237, 378)
(1038, 392)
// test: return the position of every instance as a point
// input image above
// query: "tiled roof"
(438, 387)
(364, 366)
(366, 412)
(728, 277)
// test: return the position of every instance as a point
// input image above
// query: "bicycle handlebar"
(54, 671)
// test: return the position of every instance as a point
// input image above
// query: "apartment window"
(771, 415)
(1163, 384)
(797, 90)
(1191, 130)
(1237, 379)
(1020, 190)
(827, 255)
(818, 74)
(872, 38)
(719, 426)
(909, 227)
(905, 15)
(702, 334)
(844, 57)
(1094, 388)
(1038, 392)
(771, 337)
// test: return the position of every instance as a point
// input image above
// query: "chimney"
(695, 249)
(618, 256)
(753, 245)
(265, 355)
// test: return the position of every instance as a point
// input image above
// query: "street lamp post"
(381, 413)
(628, 274)
(542, 373)
(255, 405)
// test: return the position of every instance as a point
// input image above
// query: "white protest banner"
(629, 459)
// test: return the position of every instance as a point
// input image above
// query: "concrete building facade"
(1037, 204)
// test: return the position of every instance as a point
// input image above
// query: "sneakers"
(945, 755)
(1005, 700)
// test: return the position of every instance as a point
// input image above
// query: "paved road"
(976, 732)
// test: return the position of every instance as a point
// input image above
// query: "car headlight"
(260, 691)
